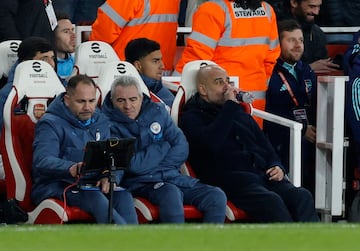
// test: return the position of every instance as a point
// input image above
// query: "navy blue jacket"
(5, 91)
(59, 143)
(225, 142)
(351, 60)
(161, 147)
(279, 102)
(352, 100)
(156, 87)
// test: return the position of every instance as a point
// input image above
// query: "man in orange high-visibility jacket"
(118, 22)
(240, 36)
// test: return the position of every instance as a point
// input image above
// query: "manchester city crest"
(155, 128)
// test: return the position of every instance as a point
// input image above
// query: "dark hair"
(59, 16)
(287, 25)
(139, 48)
(287, 4)
(31, 45)
(251, 4)
(75, 80)
(62, 15)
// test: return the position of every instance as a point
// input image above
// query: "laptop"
(99, 156)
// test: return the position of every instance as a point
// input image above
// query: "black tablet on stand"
(107, 156)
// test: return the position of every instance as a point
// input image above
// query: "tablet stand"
(112, 181)
(116, 153)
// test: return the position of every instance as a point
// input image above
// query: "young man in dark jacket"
(229, 150)
(146, 56)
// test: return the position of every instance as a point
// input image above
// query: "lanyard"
(288, 87)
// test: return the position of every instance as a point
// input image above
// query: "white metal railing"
(330, 181)
(340, 29)
(294, 144)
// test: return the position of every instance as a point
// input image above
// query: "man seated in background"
(64, 43)
(146, 56)
(61, 134)
(315, 51)
(229, 150)
(292, 94)
(161, 148)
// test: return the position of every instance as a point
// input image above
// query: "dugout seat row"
(148, 212)
(97, 60)
(35, 85)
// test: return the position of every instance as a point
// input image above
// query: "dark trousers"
(210, 200)
(271, 201)
(97, 203)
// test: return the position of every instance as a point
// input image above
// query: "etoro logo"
(36, 66)
(121, 68)
(14, 46)
(95, 47)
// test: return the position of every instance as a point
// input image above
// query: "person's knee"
(170, 201)
(214, 198)
(124, 197)
(169, 194)
(217, 196)
(306, 194)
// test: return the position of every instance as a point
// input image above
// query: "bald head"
(206, 72)
(212, 82)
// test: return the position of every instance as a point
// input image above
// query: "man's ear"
(202, 89)
(138, 65)
(293, 3)
(66, 99)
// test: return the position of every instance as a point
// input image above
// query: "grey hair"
(125, 81)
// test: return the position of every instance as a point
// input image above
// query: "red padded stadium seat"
(35, 85)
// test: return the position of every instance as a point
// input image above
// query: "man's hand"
(75, 169)
(104, 184)
(324, 66)
(230, 94)
(275, 173)
(310, 133)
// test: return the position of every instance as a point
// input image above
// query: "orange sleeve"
(274, 52)
(208, 25)
(105, 29)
